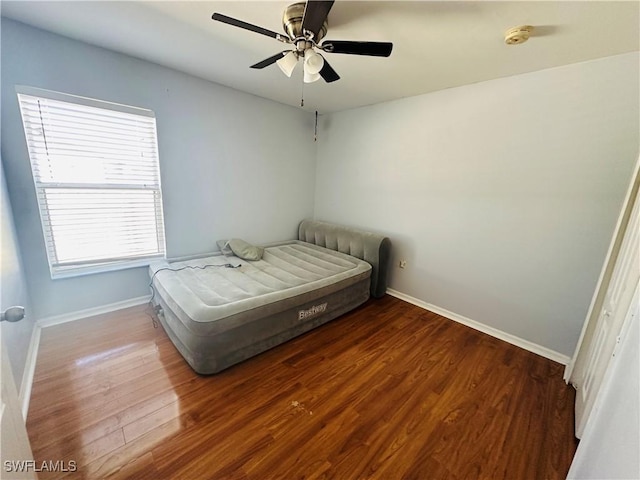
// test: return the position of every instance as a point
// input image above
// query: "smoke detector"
(517, 35)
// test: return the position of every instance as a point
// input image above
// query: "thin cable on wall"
(315, 129)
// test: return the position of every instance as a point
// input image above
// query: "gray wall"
(224, 172)
(502, 196)
(13, 289)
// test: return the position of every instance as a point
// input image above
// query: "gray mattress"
(218, 316)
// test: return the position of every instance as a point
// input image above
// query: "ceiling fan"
(305, 25)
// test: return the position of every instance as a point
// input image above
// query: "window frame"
(95, 265)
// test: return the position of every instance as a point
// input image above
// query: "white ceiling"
(437, 45)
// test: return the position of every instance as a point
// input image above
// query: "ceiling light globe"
(311, 77)
(288, 63)
(313, 62)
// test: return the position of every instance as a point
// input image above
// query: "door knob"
(12, 314)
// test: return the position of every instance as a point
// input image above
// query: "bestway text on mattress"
(313, 311)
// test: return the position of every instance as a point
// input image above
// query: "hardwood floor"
(387, 391)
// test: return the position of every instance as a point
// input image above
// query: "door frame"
(16, 447)
(595, 338)
(607, 269)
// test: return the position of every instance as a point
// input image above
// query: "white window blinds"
(96, 172)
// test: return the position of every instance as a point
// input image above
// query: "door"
(15, 451)
(617, 301)
(611, 441)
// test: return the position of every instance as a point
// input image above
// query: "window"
(96, 173)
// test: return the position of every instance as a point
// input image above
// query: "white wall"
(502, 196)
(611, 441)
(223, 166)
(16, 336)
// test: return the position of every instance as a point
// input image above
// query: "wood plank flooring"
(387, 391)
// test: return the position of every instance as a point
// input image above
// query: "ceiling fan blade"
(375, 49)
(328, 73)
(248, 26)
(315, 13)
(271, 60)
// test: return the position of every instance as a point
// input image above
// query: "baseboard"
(494, 332)
(568, 370)
(29, 370)
(90, 312)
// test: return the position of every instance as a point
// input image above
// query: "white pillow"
(245, 250)
(224, 247)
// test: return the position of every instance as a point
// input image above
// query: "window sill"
(58, 273)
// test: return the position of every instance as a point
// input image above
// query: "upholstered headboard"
(370, 247)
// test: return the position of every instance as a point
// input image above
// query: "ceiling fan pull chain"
(315, 129)
(302, 93)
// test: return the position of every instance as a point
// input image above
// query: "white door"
(617, 301)
(15, 450)
(611, 441)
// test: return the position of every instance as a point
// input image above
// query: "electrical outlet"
(402, 264)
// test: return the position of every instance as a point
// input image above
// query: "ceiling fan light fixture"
(313, 62)
(288, 63)
(311, 77)
(305, 24)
